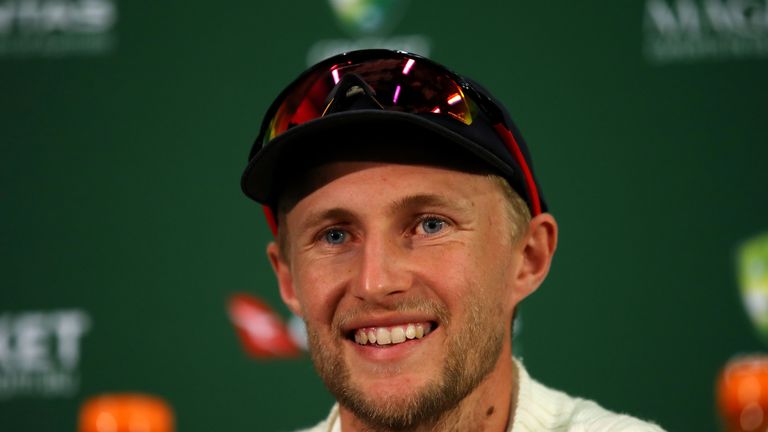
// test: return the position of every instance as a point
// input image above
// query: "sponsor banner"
(690, 30)
(40, 352)
(57, 28)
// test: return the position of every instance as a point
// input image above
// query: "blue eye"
(335, 236)
(432, 225)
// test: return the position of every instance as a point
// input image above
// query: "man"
(409, 225)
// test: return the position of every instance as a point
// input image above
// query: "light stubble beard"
(471, 354)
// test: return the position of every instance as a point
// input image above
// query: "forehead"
(371, 186)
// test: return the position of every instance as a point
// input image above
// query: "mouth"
(388, 336)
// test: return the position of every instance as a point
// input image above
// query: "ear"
(536, 250)
(284, 280)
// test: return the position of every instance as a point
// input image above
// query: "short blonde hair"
(518, 213)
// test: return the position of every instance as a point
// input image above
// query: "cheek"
(319, 288)
(451, 270)
(480, 270)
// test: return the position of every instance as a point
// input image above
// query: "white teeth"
(419, 331)
(410, 331)
(383, 337)
(391, 335)
(398, 335)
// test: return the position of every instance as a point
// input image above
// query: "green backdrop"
(124, 127)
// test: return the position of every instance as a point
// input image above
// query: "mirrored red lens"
(401, 84)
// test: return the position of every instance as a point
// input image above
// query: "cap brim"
(262, 177)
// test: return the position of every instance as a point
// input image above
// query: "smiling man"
(409, 226)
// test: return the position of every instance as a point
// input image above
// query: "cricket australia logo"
(368, 24)
(368, 17)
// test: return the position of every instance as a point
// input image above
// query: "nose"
(382, 270)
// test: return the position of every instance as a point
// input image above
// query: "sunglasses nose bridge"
(351, 93)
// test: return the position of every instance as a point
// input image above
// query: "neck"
(489, 407)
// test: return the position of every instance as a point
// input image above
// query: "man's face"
(385, 249)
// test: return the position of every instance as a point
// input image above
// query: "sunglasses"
(393, 81)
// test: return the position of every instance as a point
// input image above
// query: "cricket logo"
(368, 17)
(753, 281)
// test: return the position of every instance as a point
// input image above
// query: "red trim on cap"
(271, 221)
(512, 145)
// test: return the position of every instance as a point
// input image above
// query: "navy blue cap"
(492, 137)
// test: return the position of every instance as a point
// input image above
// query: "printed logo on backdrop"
(690, 30)
(369, 23)
(40, 353)
(368, 17)
(262, 332)
(753, 281)
(57, 28)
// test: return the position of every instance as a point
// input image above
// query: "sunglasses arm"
(271, 219)
(514, 148)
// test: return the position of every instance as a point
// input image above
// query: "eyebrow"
(329, 214)
(412, 202)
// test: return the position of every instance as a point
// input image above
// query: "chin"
(393, 388)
